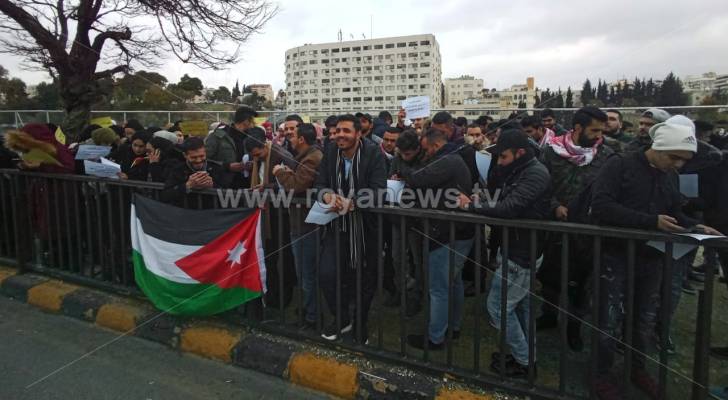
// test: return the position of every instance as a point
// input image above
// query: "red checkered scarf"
(564, 146)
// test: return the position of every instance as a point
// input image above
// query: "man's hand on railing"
(667, 223)
(708, 230)
(561, 213)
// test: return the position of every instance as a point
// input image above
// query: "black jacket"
(524, 194)
(175, 187)
(630, 193)
(379, 126)
(372, 175)
(713, 186)
(446, 171)
(467, 152)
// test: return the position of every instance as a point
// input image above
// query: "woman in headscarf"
(162, 156)
(132, 159)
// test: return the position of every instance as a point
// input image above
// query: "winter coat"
(524, 194)
(299, 180)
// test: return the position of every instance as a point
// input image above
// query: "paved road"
(33, 344)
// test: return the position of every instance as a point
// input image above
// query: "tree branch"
(42, 36)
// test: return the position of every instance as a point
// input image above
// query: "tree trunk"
(79, 93)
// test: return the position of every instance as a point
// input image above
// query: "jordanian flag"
(196, 262)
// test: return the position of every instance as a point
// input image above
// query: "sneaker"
(607, 390)
(547, 321)
(418, 342)
(669, 348)
(688, 288)
(644, 382)
(719, 352)
(330, 332)
(513, 370)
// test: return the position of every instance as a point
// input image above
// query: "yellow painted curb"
(49, 295)
(323, 374)
(119, 316)
(457, 394)
(209, 342)
(6, 273)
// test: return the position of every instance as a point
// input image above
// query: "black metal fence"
(77, 228)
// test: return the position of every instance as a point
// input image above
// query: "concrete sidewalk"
(34, 345)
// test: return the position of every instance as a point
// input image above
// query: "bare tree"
(83, 42)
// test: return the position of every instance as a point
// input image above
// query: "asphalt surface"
(45, 356)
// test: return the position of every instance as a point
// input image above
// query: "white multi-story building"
(368, 75)
(497, 103)
(461, 90)
(721, 82)
(264, 90)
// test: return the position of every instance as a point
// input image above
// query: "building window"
(334, 50)
(377, 47)
(356, 48)
(425, 42)
(425, 64)
(402, 44)
(412, 76)
(401, 97)
(389, 45)
(346, 89)
(345, 50)
(367, 47)
(412, 44)
(379, 98)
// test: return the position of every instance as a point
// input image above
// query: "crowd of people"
(594, 173)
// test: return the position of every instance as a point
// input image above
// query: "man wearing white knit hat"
(637, 190)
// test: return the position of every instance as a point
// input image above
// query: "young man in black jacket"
(445, 172)
(522, 189)
(197, 172)
(350, 177)
(637, 190)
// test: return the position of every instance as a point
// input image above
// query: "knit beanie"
(670, 136)
(172, 137)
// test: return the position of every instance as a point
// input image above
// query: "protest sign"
(103, 122)
(194, 128)
(417, 107)
(92, 152)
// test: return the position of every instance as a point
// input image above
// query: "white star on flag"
(236, 254)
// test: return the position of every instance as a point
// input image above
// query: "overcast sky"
(559, 42)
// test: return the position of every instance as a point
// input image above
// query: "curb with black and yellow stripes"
(308, 366)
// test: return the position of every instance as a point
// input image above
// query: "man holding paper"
(636, 191)
(350, 173)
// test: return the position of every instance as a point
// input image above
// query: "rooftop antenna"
(352, 36)
(371, 35)
(363, 36)
(340, 35)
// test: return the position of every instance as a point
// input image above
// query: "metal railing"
(17, 118)
(77, 228)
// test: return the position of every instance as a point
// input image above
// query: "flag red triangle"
(229, 261)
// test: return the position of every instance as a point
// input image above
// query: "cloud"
(560, 42)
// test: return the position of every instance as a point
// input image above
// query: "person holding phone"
(197, 172)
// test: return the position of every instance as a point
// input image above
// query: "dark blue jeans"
(304, 254)
(612, 296)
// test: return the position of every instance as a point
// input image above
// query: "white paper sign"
(103, 169)
(689, 185)
(417, 107)
(394, 190)
(319, 214)
(483, 163)
(680, 249)
(92, 152)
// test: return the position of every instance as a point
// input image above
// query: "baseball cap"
(657, 114)
(511, 139)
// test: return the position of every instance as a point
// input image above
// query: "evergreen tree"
(612, 96)
(236, 92)
(569, 98)
(671, 92)
(587, 95)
